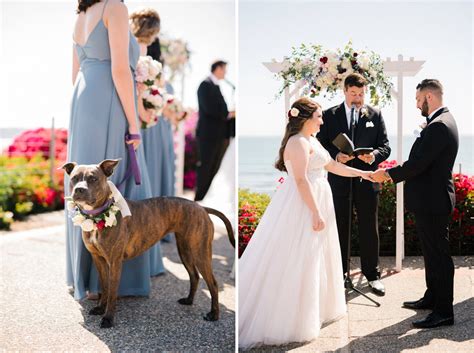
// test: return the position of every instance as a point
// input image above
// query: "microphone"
(352, 114)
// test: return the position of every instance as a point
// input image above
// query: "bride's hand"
(366, 175)
(318, 223)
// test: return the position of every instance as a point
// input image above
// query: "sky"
(36, 53)
(439, 33)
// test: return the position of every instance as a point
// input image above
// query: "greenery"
(26, 188)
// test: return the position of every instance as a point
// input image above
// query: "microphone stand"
(347, 279)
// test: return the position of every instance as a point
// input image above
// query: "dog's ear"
(108, 166)
(68, 167)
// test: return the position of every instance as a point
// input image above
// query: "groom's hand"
(380, 176)
(343, 158)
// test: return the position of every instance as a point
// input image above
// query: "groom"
(369, 131)
(429, 194)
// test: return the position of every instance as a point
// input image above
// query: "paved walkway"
(387, 328)
(37, 311)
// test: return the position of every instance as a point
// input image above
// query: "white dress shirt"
(348, 115)
(214, 79)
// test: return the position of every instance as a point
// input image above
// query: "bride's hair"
(305, 108)
(83, 5)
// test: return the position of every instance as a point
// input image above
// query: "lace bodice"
(317, 160)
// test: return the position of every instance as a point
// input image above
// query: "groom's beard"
(424, 108)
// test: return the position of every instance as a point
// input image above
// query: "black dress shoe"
(377, 287)
(434, 320)
(418, 304)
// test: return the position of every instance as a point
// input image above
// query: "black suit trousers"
(211, 153)
(439, 267)
(366, 206)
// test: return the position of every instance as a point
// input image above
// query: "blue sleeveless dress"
(158, 144)
(96, 132)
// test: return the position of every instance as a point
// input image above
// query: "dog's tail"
(228, 226)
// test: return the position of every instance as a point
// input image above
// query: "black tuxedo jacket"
(365, 135)
(428, 172)
(212, 111)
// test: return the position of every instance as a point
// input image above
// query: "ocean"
(258, 154)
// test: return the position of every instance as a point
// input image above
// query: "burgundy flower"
(324, 59)
(101, 224)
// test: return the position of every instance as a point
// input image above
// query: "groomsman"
(430, 195)
(213, 128)
(369, 130)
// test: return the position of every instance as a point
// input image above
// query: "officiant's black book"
(345, 145)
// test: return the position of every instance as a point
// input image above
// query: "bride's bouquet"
(148, 76)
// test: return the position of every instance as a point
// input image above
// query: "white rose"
(294, 112)
(333, 70)
(71, 206)
(78, 219)
(364, 63)
(155, 68)
(372, 73)
(88, 225)
(346, 64)
(110, 220)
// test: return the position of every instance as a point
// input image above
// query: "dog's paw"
(211, 316)
(185, 301)
(106, 322)
(98, 310)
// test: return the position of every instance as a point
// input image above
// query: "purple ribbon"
(99, 210)
(133, 168)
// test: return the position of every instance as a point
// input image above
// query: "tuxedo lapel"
(438, 113)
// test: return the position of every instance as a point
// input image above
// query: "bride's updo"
(301, 110)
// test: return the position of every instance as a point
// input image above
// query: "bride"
(290, 275)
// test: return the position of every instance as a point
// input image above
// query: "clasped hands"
(378, 176)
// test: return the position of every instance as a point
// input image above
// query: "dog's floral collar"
(98, 219)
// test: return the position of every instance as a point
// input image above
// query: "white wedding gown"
(221, 193)
(290, 277)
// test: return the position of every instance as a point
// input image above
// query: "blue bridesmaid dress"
(160, 157)
(96, 132)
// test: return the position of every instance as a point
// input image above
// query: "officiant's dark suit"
(430, 195)
(369, 132)
(212, 129)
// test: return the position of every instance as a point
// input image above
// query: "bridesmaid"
(157, 140)
(103, 109)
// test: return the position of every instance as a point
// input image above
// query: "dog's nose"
(79, 191)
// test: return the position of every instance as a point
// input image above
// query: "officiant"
(367, 126)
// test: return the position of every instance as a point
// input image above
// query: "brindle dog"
(151, 220)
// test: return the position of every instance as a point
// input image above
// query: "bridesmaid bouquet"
(148, 71)
(154, 98)
(148, 75)
(174, 109)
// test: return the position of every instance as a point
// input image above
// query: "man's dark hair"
(432, 85)
(355, 80)
(217, 64)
